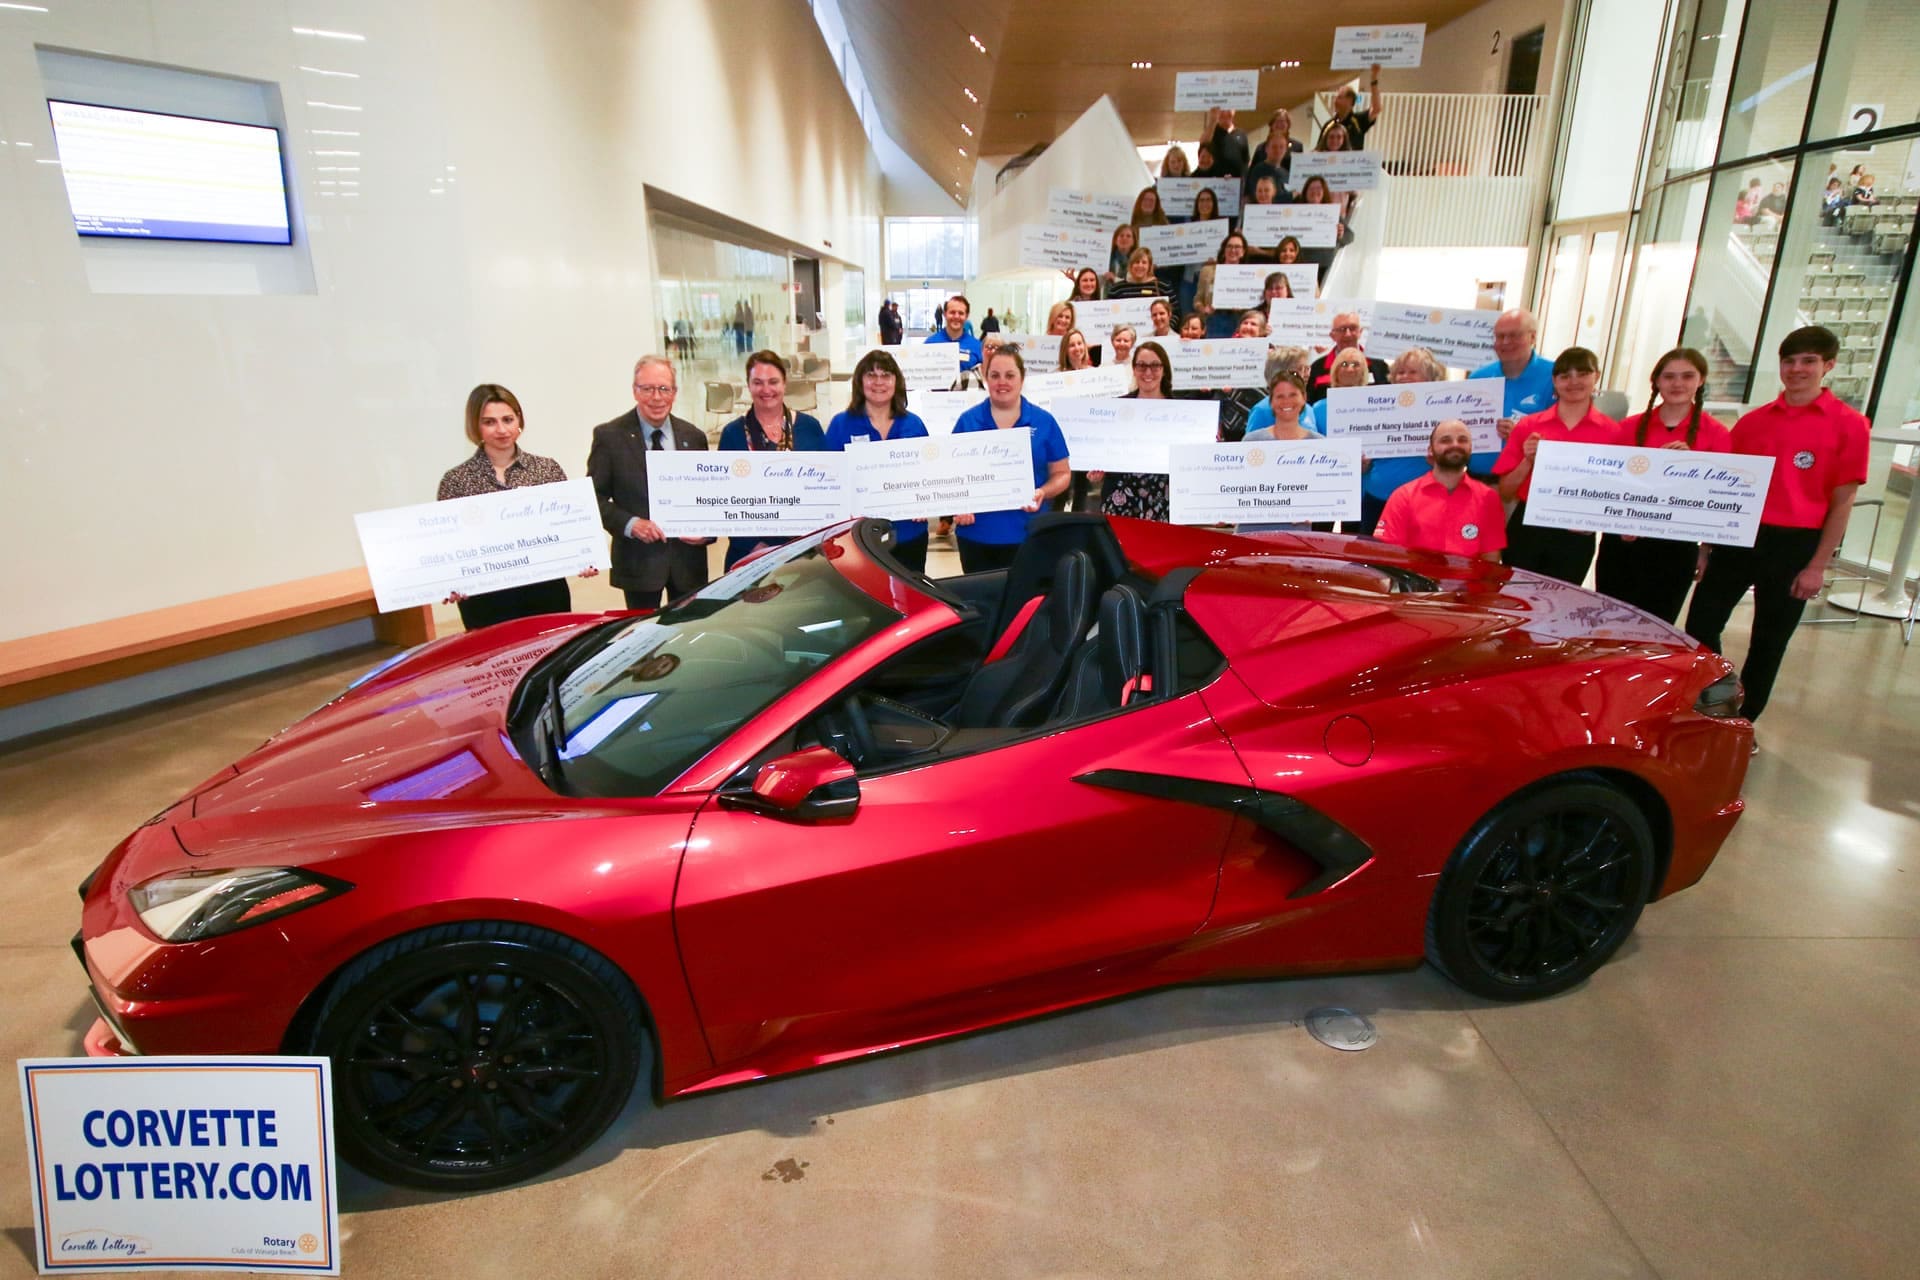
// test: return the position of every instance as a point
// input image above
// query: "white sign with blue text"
(1462, 339)
(1397, 420)
(1199, 90)
(704, 493)
(1264, 482)
(1392, 46)
(421, 553)
(190, 1163)
(1681, 494)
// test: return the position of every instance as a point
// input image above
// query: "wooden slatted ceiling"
(1046, 62)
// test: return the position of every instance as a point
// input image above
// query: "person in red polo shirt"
(1819, 451)
(1446, 510)
(1655, 574)
(1565, 554)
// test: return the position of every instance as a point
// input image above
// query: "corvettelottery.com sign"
(192, 1163)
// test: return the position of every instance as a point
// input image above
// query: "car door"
(973, 888)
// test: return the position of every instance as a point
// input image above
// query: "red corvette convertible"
(827, 807)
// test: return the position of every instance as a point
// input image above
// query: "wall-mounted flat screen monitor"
(147, 176)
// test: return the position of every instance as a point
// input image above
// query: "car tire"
(475, 1055)
(1542, 891)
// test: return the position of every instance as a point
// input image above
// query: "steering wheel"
(844, 729)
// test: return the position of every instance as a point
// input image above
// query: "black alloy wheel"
(1542, 891)
(476, 1055)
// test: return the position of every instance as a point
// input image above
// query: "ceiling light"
(336, 133)
(322, 71)
(25, 8)
(966, 129)
(334, 106)
(962, 151)
(1143, 66)
(330, 35)
(976, 43)
(336, 153)
(970, 97)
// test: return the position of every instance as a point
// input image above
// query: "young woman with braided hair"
(1655, 574)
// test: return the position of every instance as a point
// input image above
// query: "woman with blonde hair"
(494, 422)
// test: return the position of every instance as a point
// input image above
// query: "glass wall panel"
(1838, 265)
(719, 299)
(1661, 273)
(927, 248)
(1729, 293)
(1778, 49)
(1868, 80)
(1701, 102)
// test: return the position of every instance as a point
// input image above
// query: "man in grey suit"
(646, 562)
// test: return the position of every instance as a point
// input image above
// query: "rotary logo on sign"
(471, 518)
(1638, 465)
(1433, 317)
(1406, 399)
(309, 1242)
(740, 468)
(1256, 457)
(929, 451)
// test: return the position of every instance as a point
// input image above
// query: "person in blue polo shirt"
(957, 311)
(878, 411)
(1529, 378)
(990, 539)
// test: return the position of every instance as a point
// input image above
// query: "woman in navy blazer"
(878, 411)
(768, 426)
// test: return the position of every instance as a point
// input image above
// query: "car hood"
(422, 745)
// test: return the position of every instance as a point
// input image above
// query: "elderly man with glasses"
(646, 562)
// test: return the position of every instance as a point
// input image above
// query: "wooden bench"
(34, 667)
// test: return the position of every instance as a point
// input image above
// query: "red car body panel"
(967, 891)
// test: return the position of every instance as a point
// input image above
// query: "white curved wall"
(166, 448)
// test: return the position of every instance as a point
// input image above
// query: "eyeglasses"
(879, 373)
(648, 389)
(1154, 365)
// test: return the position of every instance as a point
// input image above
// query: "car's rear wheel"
(474, 1055)
(1542, 891)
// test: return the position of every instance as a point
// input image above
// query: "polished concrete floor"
(1734, 1096)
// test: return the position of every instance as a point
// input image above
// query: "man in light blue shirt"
(957, 311)
(1529, 378)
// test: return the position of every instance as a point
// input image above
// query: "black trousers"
(1552, 553)
(489, 607)
(912, 554)
(1654, 574)
(979, 557)
(1769, 567)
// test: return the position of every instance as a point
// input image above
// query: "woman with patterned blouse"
(1140, 494)
(494, 423)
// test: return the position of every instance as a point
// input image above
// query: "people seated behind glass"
(878, 410)
(493, 424)
(1746, 205)
(990, 539)
(1863, 191)
(1832, 202)
(1444, 510)
(769, 426)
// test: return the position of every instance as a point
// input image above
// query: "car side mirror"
(802, 786)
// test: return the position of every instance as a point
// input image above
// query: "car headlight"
(1722, 698)
(191, 905)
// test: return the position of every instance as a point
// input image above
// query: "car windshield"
(645, 699)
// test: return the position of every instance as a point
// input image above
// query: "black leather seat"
(1020, 688)
(1106, 671)
(1051, 537)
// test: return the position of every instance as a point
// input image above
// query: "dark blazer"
(1318, 378)
(617, 464)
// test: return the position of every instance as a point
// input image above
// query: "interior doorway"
(1582, 286)
(1523, 61)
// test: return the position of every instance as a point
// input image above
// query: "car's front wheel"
(1542, 891)
(475, 1055)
